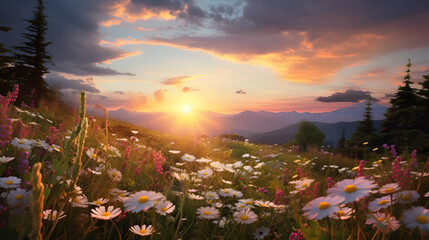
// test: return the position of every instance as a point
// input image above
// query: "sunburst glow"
(187, 109)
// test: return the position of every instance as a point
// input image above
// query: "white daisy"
(53, 215)
(164, 207)
(92, 153)
(322, 207)
(352, 189)
(142, 200)
(406, 196)
(208, 213)
(380, 221)
(115, 174)
(389, 188)
(261, 232)
(245, 216)
(99, 202)
(205, 173)
(10, 182)
(265, 204)
(226, 192)
(188, 158)
(380, 203)
(143, 230)
(195, 196)
(6, 159)
(302, 184)
(416, 217)
(18, 198)
(343, 214)
(80, 201)
(203, 160)
(103, 214)
(22, 143)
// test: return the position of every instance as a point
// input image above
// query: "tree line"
(406, 124)
(27, 64)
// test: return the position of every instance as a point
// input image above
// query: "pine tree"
(342, 141)
(365, 131)
(423, 120)
(33, 57)
(401, 117)
(6, 62)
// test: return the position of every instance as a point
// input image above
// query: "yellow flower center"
(382, 202)
(20, 142)
(37, 143)
(9, 182)
(76, 200)
(405, 197)
(389, 189)
(226, 191)
(422, 219)
(142, 231)
(94, 155)
(121, 195)
(105, 214)
(341, 213)
(210, 201)
(54, 217)
(350, 188)
(115, 174)
(164, 209)
(304, 185)
(143, 199)
(98, 202)
(234, 194)
(188, 158)
(244, 217)
(205, 174)
(18, 197)
(324, 205)
(210, 195)
(381, 219)
(248, 202)
(206, 212)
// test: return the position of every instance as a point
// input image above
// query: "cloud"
(240, 92)
(305, 42)
(189, 89)
(56, 80)
(159, 95)
(176, 81)
(388, 95)
(113, 100)
(133, 10)
(74, 31)
(347, 96)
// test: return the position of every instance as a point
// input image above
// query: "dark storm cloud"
(61, 82)
(73, 29)
(347, 96)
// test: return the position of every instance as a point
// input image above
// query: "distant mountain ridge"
(332, 131)
(246, 123)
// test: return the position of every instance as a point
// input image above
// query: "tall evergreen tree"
(365, 131)
(6, 62)
(401, 117)
(32, 57)
(423, 120)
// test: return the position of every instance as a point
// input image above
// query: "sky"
(229, 56)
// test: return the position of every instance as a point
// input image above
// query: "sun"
(187, 109)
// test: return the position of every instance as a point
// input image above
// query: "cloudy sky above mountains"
(229, 55)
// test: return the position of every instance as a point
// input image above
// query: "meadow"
(67, 175)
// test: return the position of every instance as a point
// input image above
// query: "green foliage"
(6, 62)
(32, 58)
(308, 134)
(401, 117)
(233, 137)
(423, 120)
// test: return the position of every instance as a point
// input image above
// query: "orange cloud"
(159, 95)
(120, 12)
(121, 42)
(179, 80)
(123, 55)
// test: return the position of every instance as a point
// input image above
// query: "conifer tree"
(365, 131)
(6, 62)
(423, 120)
(32, 57)
(401, 117)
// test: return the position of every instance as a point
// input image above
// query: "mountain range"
(246, 123)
